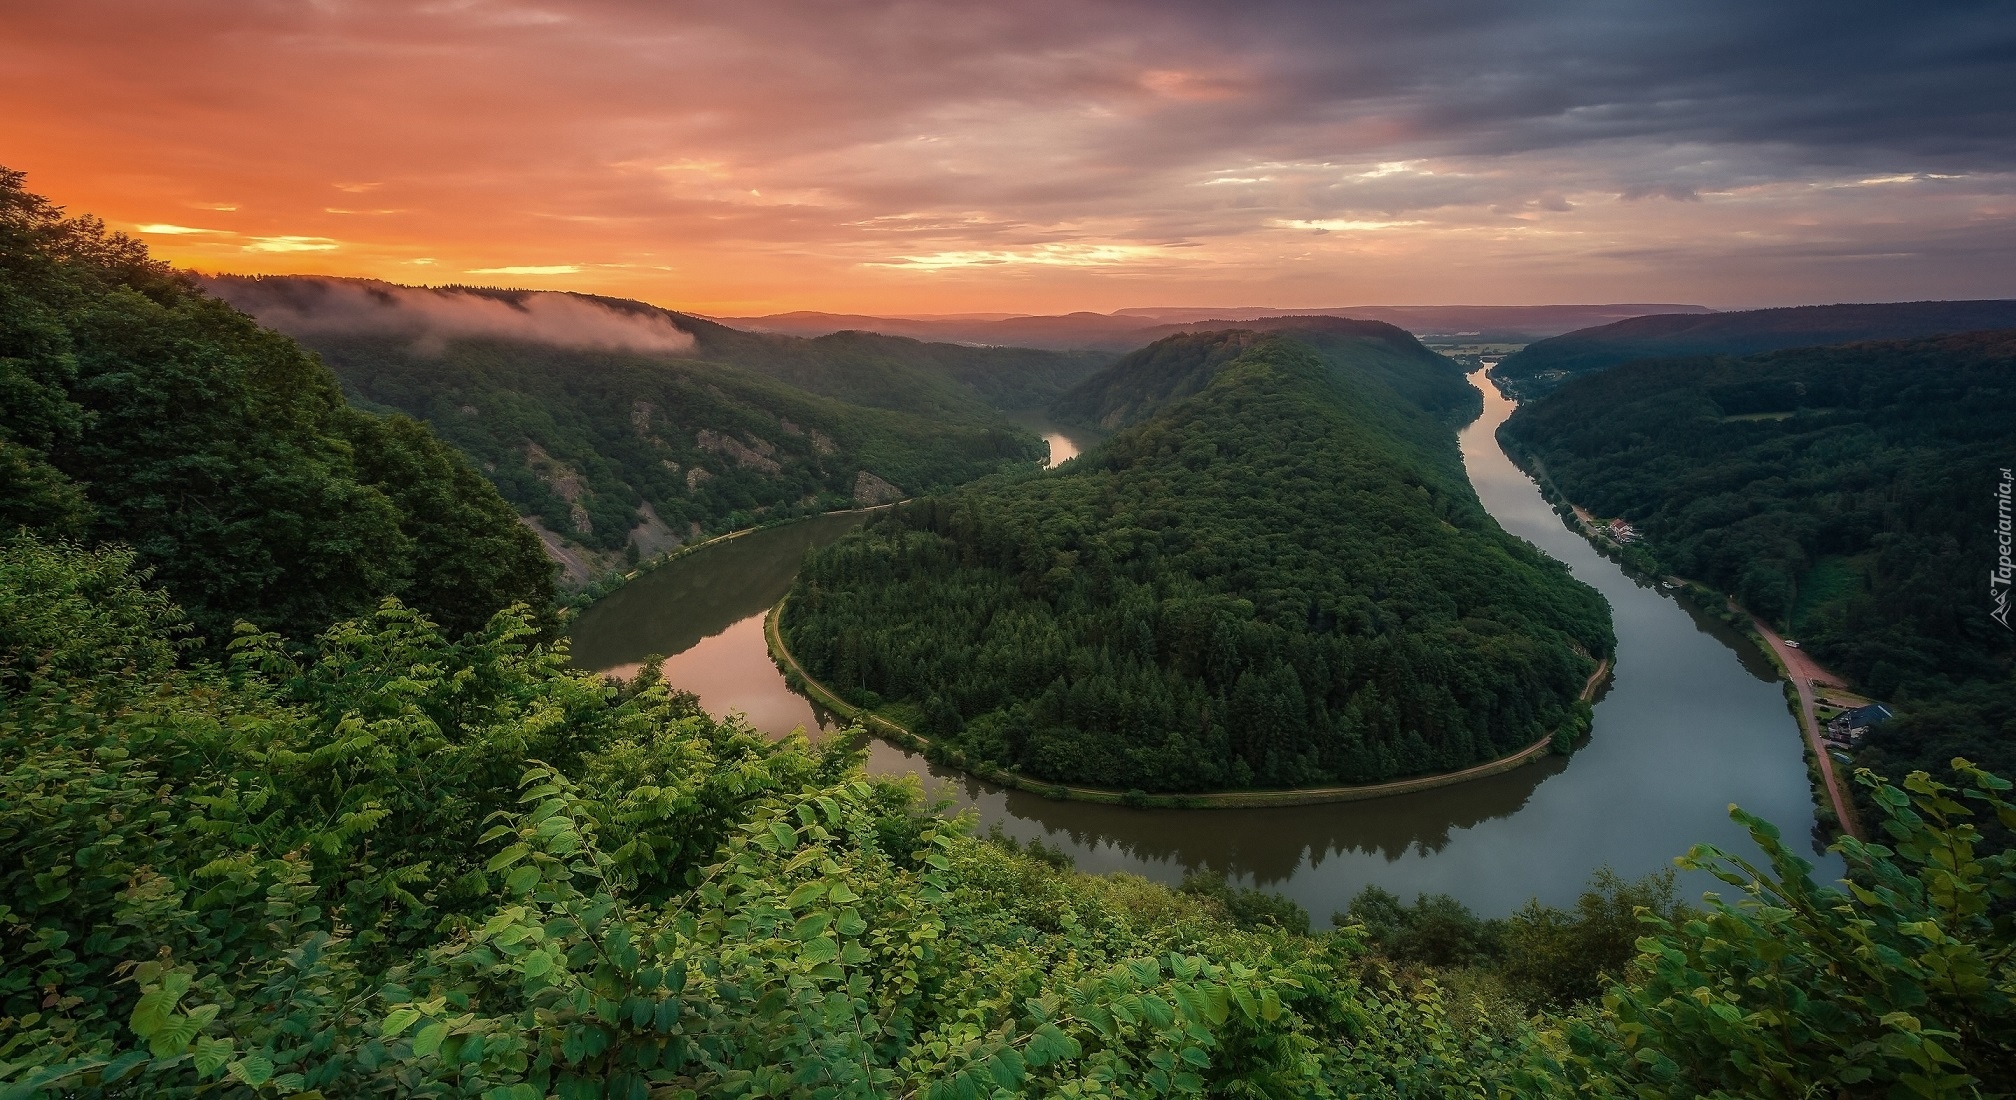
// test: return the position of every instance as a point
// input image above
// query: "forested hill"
(622, 429)
(1547, 363)
(1134, 387)
(1281, 579)
(1847, 494)
(135, 409)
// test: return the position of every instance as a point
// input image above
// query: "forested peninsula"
(1279, 576)
(1848, 495)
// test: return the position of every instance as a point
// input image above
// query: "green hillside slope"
(1547, 363)
(622, 428)
(1281, 579)
(1847, 494)
(1140, 382)
(611, 447)
(135, 409)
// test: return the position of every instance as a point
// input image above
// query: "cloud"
(431, 317)
(1339, 225)
(811, 154)
(292, 244)
(552, 269)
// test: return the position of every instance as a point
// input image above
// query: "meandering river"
(1692, 721)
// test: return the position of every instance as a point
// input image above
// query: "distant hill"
(1127, 329)
(1528, 322)
(1550, 362)
(1278, 575)
(1176, 366)
(889, 372)
(617, 428)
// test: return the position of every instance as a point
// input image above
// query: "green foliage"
(1436, 930)
(1903, 986)
(136, 410)
(410, 865)
(415, 865)
(1542, 955)
(1556, 958)
(1247, 907)
(1283, 579)
(1864, 518)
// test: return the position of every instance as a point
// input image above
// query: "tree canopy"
(136, 409)
(1846, 494)
(1281, 579)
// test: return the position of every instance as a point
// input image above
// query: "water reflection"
(1066, 441)
(1692, 721)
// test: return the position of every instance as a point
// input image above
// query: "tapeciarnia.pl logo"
(2000, 576)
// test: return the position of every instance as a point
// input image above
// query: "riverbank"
(1796, 668)
(597, 590)
(893, 732)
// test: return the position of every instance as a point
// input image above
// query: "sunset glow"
(1039, 155)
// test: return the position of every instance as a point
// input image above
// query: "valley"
(1692, 720)
(621, 431)
(797, 551)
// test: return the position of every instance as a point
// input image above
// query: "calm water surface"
(1692, 722)
(1066, 442)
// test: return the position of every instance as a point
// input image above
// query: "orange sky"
(1033, 156)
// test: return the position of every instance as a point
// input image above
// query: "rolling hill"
(1548, 363)
(1180, 365)
(1127, 329)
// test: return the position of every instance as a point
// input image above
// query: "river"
(1692, 721)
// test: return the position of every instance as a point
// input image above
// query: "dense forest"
(1280, 579)
(388, 857)
(136, 409)
(1546, 364)
(634, 448)
(1846, 494)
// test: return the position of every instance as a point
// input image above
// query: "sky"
(1042, 156)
